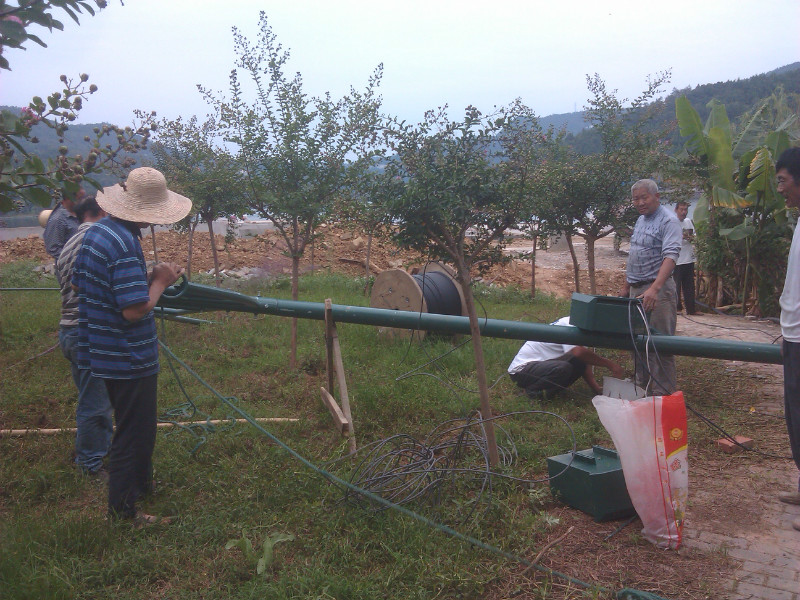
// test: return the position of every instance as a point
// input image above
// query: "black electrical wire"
(403, 470)
(716, 326)
(714, 426)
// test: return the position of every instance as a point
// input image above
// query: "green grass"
(55, 542)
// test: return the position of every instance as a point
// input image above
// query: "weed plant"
(56, 543)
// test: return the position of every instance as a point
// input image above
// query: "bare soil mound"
(344, 251)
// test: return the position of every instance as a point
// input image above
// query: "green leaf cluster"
(15, 19)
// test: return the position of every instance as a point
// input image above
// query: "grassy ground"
(55, 542)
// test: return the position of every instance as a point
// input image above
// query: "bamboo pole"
(23, 432)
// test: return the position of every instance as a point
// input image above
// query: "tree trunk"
(369, 250)
(295, 296)
(480, 367)
(214, 251)
(575, 266)
(192, 227)
(533, 265)
(153, 237)
(746, 281)
(590, 261)
(313, 245)
(720, 299)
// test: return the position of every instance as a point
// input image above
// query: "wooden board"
(341, 422)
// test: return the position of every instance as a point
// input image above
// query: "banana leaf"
(740, 232)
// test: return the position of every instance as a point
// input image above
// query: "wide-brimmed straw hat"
(144, 198)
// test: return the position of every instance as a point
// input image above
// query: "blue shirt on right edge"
(655, 237)
(110, 274)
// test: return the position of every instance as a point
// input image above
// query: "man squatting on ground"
(788, 177)
(547, 367)
(684, 267)
(93, 413)
(116, 328)
(62, 223)
(655, 246)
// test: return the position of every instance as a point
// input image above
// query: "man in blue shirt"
(116, 327)
(655, 246)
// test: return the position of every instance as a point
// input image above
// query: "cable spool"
(440, 293)
(435, 291)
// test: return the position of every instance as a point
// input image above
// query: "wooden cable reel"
(434, 290)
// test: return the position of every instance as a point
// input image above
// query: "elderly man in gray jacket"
(655, 246)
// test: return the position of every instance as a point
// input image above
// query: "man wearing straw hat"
(116, 327)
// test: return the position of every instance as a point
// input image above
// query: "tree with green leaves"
(741, 218)
(453, 206)
(296, 152)
(524, 180)
(364, 203)
(24, 176)
(590, 194)
(201, 169)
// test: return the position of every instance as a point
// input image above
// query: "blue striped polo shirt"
(110, 274)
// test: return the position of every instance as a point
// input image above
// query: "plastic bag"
(650, 437)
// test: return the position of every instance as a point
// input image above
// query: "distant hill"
(739, 96)
(573, 122)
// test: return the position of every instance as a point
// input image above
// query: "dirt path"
(733, 508)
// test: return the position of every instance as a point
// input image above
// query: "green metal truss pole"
(195, 298)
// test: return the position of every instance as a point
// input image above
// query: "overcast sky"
(151, 54)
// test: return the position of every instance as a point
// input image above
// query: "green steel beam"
(193, 297)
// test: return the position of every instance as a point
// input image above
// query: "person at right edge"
(655, 246)
(117, 330)
(787, 172)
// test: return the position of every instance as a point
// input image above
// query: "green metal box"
(592, 483)
(605, 314)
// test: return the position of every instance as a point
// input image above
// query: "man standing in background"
(93, 413)
(684, 267)
(62, 223)
(655, 246)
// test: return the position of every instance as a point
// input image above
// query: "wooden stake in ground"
(334, 357)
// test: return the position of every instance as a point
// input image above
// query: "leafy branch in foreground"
(15, 20)
(25, 177)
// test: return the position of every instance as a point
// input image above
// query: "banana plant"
(745, 186)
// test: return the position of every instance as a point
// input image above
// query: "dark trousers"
(130, 461)
(684, 285)
(555, 374)
(791, 396)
